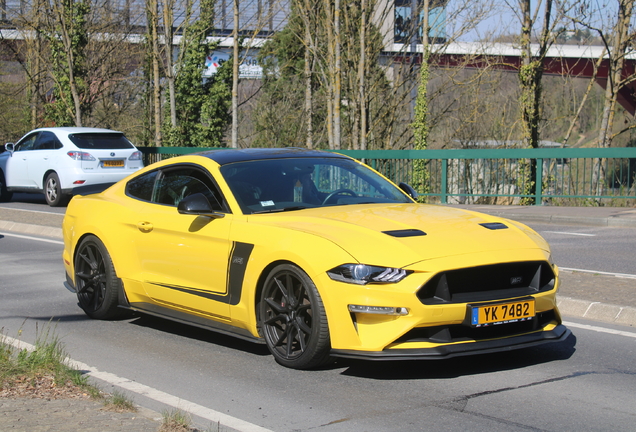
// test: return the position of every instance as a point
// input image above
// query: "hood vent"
(494, 225)
(405, 233)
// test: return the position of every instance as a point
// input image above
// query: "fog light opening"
(379, 310)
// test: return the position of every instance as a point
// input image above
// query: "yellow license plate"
(502, 312)
(113, 163)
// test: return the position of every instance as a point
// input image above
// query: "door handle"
(144, 226)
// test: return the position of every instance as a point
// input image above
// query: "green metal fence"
(500, 176)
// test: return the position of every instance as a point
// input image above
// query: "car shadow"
(459, 366)
(31, 198)
(379, 370)
(200, 334)
(52, 318)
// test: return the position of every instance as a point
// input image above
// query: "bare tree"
(622, 38)
(235, 73)
(168, 22)
(152, 19)
(618, 38)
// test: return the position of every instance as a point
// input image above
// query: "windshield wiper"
(292, 208)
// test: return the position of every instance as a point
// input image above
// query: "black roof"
(226, 156)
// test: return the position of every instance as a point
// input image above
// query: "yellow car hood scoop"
(405, 233)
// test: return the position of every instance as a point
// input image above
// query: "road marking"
(32, 238)
(32, 211)
(570, 233)
(152, 393)
(600, 329)
(618, 275)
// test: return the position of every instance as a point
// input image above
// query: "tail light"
(77, 155)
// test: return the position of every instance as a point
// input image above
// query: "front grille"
(463, 333)
(491, 282)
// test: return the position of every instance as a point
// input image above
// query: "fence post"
(443, 186)
(538, 184)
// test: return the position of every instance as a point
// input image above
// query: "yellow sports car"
(312, 253)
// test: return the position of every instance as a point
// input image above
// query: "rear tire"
(96, 280)
(5, 195)
(53, 191)
(293, 319)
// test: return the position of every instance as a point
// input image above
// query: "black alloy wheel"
(96, 281)
(293, 319)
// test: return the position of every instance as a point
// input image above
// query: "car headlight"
(361, 274)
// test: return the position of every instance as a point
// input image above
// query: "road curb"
(31, 229)
(597, 311)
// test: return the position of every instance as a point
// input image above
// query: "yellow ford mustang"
(312, 253)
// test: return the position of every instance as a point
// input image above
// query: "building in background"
(398, 20)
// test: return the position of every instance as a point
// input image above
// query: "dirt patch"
(41, 387)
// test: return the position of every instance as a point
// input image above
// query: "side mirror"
(408, 189)
(10, 147)
(197, 204)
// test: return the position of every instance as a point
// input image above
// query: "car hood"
(381, 234)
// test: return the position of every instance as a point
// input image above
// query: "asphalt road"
(587, 383)
(591, 248)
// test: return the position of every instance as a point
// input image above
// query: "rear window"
(102, 141)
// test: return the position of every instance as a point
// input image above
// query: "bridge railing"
(575, 177)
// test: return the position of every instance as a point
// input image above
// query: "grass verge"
(44, 373)
(41, 372)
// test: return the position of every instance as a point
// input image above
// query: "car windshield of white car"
(274, 185)
(100, 141)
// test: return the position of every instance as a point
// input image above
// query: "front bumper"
(557, 334)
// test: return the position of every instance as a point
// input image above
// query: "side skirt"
(196, 321)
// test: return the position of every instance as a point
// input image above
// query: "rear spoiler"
(92, 189)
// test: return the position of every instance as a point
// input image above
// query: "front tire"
(53, 191)
(293, 319)
(96, 281)
(5, 195)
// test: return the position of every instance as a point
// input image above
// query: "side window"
(176, 184)
(47, 141)
(27, 143)
(141, 187)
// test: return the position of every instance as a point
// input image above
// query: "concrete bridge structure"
(572, 60)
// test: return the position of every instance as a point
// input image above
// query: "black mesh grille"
(491, 282)
(462, 333)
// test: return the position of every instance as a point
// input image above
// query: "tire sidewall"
(319, 345)
(59, 198)
(5, 195)
(109, 307)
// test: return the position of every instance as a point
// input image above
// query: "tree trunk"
(168, 8)
(361, 76)
(152, 12)
(235, 76)
(337, 84)
(309, 110)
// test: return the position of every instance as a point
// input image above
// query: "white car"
(57, 160)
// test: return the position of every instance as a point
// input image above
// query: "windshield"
(101, 141)
(290, 184)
